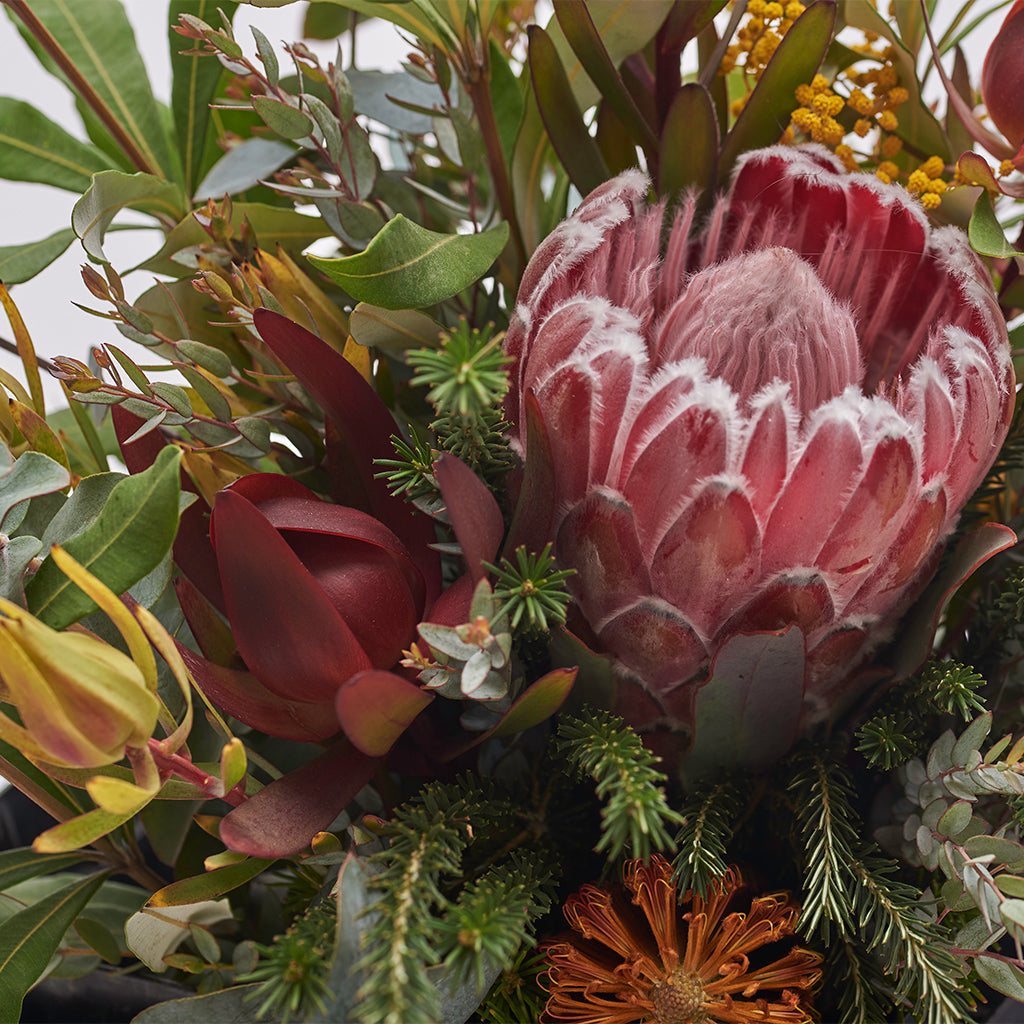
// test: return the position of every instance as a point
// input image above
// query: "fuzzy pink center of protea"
(762, 317)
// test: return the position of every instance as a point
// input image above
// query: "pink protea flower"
(770, 422)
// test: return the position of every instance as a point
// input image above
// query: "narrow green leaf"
(562, 117)
(209, 885)
(99, 939)
(689, 142)
(407, 266)
(286, 121)
(194, 84)
(585, 40)
(31, 937)
(128, 539)
(24, 862)
(795, 62)
(112, 191)
(244, 166)
(98, 38)
(33, 148)
(19, 263)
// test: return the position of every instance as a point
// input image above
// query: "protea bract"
(758, 431)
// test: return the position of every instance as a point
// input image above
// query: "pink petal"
(565, 401)
(789, 600)
(708, 556)
(813, 496)
(598, 539)
(875, 510)
(654, 641)
(766, 460)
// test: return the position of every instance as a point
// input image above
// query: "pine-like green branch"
(866, 996)
(911, 947)
(494, 916)
(708, 823)
(830, 830)
(428, 836)
(636, 817)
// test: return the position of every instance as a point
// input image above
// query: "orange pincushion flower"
(707, 961)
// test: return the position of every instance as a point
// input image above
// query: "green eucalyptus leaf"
(194, 82)
(796, 61)
(32, 474)
(407, 266)
(31, 937)
(393, 330)
(358, 165)
(112, 191)
(1002, 976)
(19, 263)
(376, 93)
(33, 148)
(98, 39)
(127, 539)
(284, 120)
(209, 358)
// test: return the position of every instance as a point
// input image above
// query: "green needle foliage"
(709, 819)
(531, 588)
(411, 473)
(851, 889)
(426, 917)
(636, 817)
(294, 970)
(467, 380)
(494, 915)
(898, 729)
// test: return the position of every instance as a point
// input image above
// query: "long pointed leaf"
(33, 148)
(194, 82)
(795, 61)
(97, 37)
(689, 142)
(31, 937)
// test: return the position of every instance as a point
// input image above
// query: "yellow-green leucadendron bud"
(81, 701)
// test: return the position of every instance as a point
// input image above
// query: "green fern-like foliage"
(851, 898)
(636, 817)
(429, 915)
(493, 916)
(897, 731)
(516, 995)
(709, 819)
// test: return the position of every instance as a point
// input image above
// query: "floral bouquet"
(536, 541)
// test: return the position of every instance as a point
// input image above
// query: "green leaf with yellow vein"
(112, 191)
(98, 38)
(209, 885)
(416, 16)
(33, 148)
(408, 267)
(128, 539)
(194, 84)
(20, 263)
(31, 937)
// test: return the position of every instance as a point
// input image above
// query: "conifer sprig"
(830, 830)
(636, 817)
(531, 588)
(709, 820)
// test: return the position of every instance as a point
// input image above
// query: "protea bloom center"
(765, 418)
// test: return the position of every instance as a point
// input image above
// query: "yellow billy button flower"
(81, 701)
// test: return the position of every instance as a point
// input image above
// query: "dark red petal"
(287, 630)
(241, 695)
(1002, 76)
(598, 539)
(362, 425)
(474, 514)
(376, 707)
(535, 507)
(653, 640)
(282, 818)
